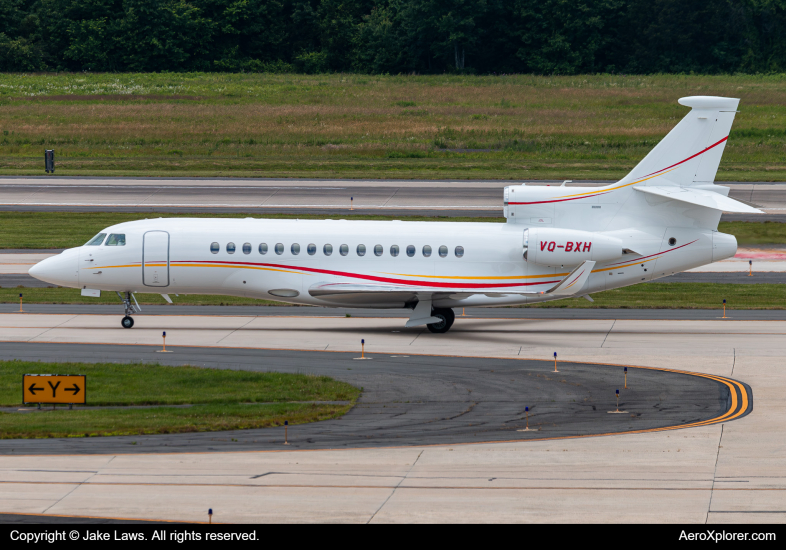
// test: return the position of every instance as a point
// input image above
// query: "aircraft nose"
(60, 270)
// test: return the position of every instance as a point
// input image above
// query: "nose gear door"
(155, 258)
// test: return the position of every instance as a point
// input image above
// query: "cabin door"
(155, 258)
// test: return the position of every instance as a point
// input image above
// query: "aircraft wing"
(699, 197)
(378, 293)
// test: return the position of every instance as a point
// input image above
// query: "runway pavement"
(324, 197)
(728, 472)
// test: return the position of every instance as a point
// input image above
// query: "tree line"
(395, 36)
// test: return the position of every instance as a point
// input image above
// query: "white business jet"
(558, 242)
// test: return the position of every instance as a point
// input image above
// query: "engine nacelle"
(568, 247)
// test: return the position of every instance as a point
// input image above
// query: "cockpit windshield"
(97, 240)
(116, 239)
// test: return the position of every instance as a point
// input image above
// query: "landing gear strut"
(447, 317)
(130, 308)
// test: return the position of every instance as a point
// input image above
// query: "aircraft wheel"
(127, 322)
(447, 317)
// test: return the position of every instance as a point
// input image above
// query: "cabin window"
(97, 240)
(230, 248)
(311, 249)
(343, 249)
(410, 250)
(295, 248)
(378, 250)
(394, 250)
(427, 251)
(459, 251)
(327, 249)
(279, 249)
(116, 239)
(215, 247)
(246, 248)
(443, 251)
(361, 250)
(263, 248)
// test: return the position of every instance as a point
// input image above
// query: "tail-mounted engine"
(568, 247)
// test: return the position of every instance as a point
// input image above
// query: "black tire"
(447, 316)
(127, 322)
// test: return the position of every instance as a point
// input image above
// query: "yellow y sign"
(54, 388)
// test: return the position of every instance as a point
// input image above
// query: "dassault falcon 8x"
(558, 242)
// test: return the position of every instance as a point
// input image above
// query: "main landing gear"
(130, 308)
(447, 317)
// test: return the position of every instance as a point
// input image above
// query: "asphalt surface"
(476, 312)
(37, 519)
(410, 400)
(320, 197)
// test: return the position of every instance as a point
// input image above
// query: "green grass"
(70, 229)
(752, 233)
(644, 295)
(220, 399)
(283, 125)
(59, 295)
(682, 296)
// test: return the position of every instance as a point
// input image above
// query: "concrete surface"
(115, 311)
(721, 473)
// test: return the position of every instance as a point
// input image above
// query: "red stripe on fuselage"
(655, 172)
(690, 157)
(563, 200)
(651, 255)
(369, 277)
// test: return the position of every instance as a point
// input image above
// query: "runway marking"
(732, 413)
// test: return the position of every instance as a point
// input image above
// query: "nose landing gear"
(447, 317)
(128, 321)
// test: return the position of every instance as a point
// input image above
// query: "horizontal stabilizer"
(700, 197)
(574, 282)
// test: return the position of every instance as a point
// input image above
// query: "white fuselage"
(660, 219)
(173, 256)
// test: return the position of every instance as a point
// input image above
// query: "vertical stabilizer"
(691, 152)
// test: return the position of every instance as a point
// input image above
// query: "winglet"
(574, 282)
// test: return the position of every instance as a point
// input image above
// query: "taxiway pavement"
(414, 400)
(729, 472)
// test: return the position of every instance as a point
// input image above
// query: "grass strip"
(219, 399)
(639, 296)
(59, 295)
(160, 420)
(69, 229)
(682, 296)
(381, 126)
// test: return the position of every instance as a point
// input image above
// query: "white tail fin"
(691, 152)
